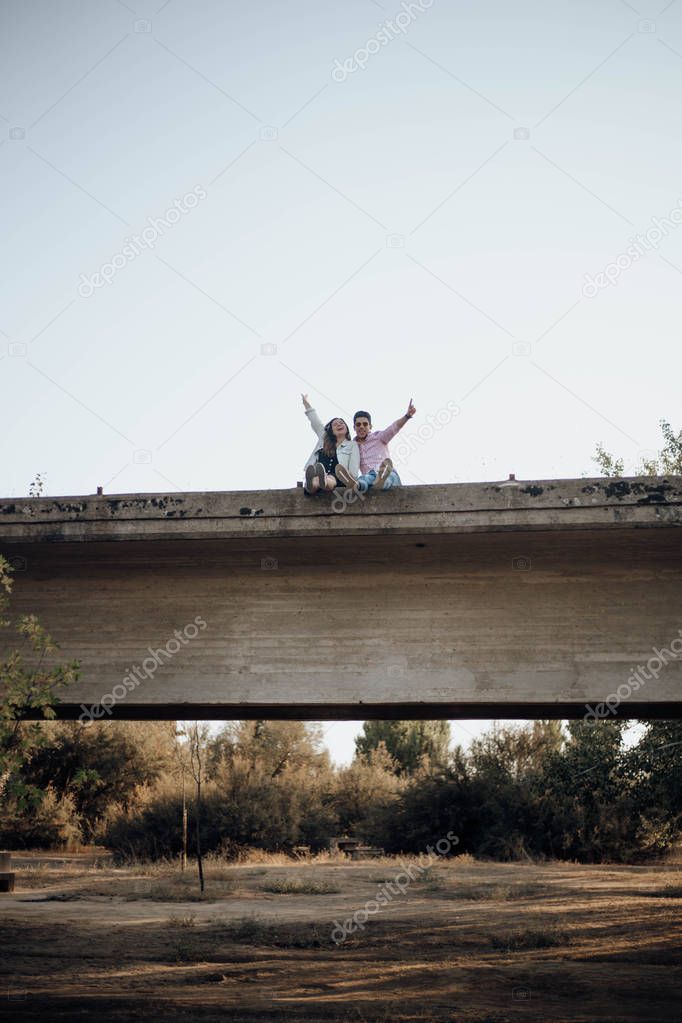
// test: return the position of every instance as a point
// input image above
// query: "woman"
(336, 458)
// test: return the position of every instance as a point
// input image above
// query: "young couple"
(338, 460)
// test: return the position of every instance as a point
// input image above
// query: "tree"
(655, 770)
(567, 791)
(99, 765)
(431, 805)
(274, 785)
(276, 746)
(585, 796)
(518, 751)
(36, 487)
(609, 465)
(197, 742)
(655, 764)
(365, 790)
(667, 462)
(180, 757)
(505, 771)
(410, 743)
(25, 689)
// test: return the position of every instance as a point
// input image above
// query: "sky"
(213, 207)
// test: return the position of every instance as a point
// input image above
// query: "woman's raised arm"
(313, 418)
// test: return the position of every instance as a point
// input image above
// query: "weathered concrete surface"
(543, 504)
(454, 601)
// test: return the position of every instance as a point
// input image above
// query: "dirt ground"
(462, 940)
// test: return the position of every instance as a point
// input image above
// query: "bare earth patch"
(465, 941)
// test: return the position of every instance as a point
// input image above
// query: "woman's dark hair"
(329, 442)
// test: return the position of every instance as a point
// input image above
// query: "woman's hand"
(306, 403)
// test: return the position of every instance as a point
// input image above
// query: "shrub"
(50, 823)
(292, 886)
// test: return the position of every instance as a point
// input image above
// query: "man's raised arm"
(390, 431)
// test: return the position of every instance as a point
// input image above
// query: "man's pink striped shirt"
(374, 449)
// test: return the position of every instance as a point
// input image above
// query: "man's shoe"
(343, 476)
(309, 477)
(385, 470)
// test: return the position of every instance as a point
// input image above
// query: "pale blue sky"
(422, 228)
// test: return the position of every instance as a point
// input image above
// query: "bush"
(521, 940)
(152, 832)
(51, 823)
(243, 808)
(292, 886)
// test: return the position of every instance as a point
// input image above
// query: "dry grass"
(520, 940)
(470, 940)
(251, 857)
(669, 891)
(493, 892)
(183, 922)
(429, 881)
(292, 886)
(255, 932)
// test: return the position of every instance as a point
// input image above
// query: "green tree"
(654, 765)
(365, 790)
(586, 801)
(411, 744)
(197, 737)
(275, 746)
(27, 690)
(655, 773)
(667, 462)
(99, 765)
(36, 487)
(609, 465)
(505, 769)
(429, 805)
(274, 785)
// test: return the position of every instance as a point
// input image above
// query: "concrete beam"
(467, 600)
(463, 507)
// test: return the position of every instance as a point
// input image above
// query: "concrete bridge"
(518, 599)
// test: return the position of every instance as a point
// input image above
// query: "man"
(376, 467)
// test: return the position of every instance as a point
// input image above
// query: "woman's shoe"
(309, 477)
(320, 473)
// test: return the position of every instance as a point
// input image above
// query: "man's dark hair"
(360, 414)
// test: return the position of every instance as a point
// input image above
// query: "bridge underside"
(468, 601)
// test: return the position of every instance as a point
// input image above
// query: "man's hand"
(408, 415)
